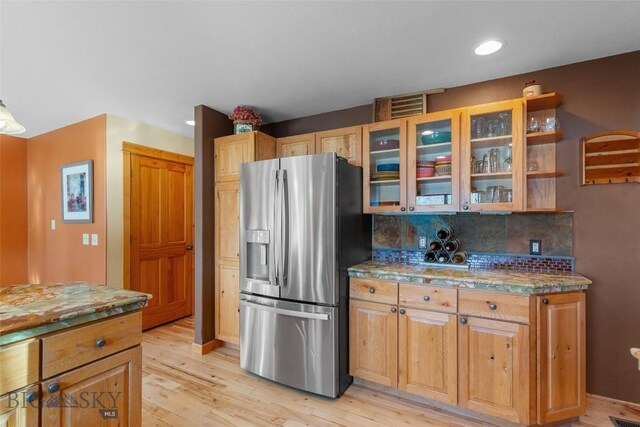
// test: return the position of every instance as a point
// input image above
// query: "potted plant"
(245, 119)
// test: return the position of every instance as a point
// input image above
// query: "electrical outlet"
(422, 242)
(94, 240)
(85, 239)
(535, 247)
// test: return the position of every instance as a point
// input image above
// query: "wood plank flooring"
(181, 388)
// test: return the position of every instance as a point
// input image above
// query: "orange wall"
(13, 210)
(59, 255)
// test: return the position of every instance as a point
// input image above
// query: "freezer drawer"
(290, 343)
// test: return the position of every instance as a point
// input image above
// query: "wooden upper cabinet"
(427, 354)
(384, 164)
(345, 142)
(493, 362)
(561, 357)
(433, 162)
(227, 221)
(231, 151)
(373, 342)
(493, 131)
(298, 145)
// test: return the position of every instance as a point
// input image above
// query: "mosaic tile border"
(487, 261)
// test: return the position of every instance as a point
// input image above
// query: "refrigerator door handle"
(285, 312)
(283, 257)
(274, 229)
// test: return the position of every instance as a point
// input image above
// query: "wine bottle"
(444, 233)
(459, 257)
(435, 245)
(430, 256)
(442, 257)
(451, 245)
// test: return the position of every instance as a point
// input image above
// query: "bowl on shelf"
(435, 137)
(443, 165)
(385, 144)
(388, 167)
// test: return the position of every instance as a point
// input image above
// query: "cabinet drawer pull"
(492, 306)
(545, 301)
(412, 208)
(426, 298)
(53, 387)
(31, 397)
(393, 309)
(403, 209)
(402, 311)
(100, 342)
(463, 320)
(372, 291)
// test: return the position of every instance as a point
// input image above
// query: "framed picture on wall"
(77, 192)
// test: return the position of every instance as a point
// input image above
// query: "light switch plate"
(535, 247)
(85, 238)
(422, 242)
(53, 224)
(94, 240)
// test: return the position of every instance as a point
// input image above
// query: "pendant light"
(8, 125)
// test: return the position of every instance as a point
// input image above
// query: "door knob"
(189, 247)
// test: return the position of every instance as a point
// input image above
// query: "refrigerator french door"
(301, 227)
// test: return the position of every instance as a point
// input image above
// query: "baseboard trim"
(612, 400)
(206, 347)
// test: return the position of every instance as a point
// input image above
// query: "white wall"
(121, 130)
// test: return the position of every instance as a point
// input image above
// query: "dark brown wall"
(599, 95)
(332, 120)
(209, 124)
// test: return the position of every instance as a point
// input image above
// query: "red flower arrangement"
(245, 113)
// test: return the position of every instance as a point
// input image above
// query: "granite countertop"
(523, 282)
(29, 308)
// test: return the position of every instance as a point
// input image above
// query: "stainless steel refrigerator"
(301, 227)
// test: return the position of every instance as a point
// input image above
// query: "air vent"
(398, 106)
(619, 422)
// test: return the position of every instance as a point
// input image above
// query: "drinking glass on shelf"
(550, 124)
(506, 164)
(532, 165)
(507, 195)
(494, 161)
(533, 125)
(504, 122)
(485, 163)
(479, 127)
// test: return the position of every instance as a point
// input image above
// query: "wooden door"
(20, 408)
(346, 142)
(384, 194)
(297, 145)
(497, 126)
(561, 357)
(434, 137)
(227, 272)
(494, 368)
(104, 393)
(161, 236)
(230, 152)
(427, 354)
(373, 342)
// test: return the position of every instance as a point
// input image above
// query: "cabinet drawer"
(67, 350)
(428, 297)
(494, 305)
(374, 290)
(20, 365)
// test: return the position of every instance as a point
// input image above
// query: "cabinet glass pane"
(384, 159)
(491, 158)
(433, 163)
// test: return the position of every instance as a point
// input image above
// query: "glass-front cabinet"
(384, 148)
(433, 162)
(492, 157)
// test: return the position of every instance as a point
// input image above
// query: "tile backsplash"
(488, 234)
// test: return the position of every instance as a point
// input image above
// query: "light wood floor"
(181, 388)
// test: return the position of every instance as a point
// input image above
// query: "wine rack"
(445, 249)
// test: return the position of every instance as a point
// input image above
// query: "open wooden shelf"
(543, 102)
(549, 137)
(544, 174)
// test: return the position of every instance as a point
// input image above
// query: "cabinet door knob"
(463, 320)
(393, 309)
(372, 291)
(492, 306)
(426, 298)
(465, 207)
(100, 342)
(31, 397)
(402, 311)
(412, 208)
(53, 387)
(403, 209)
(545, 301)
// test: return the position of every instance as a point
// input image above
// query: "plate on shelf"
(389, 167)
(385, 144)
(435, 137)
(378, 176)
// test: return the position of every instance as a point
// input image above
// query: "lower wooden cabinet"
(20, 408)
(373, 342)
(103, 393)
(427, 349)
(227, 304)
(494, 368)
(561, 356)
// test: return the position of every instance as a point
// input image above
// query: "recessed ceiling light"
(191, 122)
(488, 47)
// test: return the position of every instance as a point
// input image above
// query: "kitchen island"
(70, 355)
(504, 345)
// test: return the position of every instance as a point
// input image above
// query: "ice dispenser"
(257, 242)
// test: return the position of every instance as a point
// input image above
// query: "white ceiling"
(61, 62)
